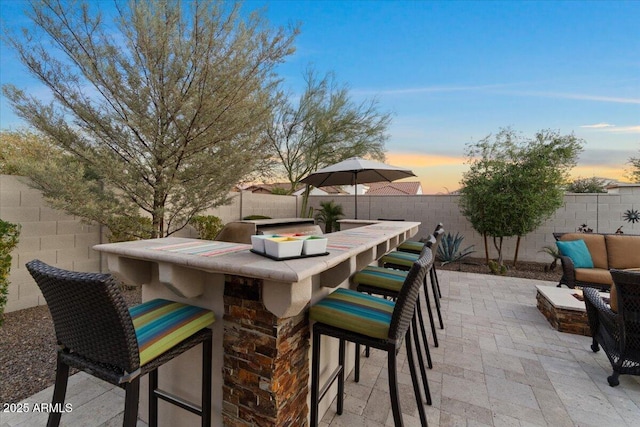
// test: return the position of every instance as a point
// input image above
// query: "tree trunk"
(305, 202)
(486, 248)
(498, 248)
(515, 257)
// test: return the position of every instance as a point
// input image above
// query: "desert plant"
(584, 228)
(207, 226)
(329, 215)
(280, 191)
(588, 185)
(515, 183)
(166, 103)
(127, 228)
(497, 268)
(449, 249)
(555, 253)
(9, 234)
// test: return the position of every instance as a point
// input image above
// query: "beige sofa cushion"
(596, 245)
(594, 275)
(623, 251)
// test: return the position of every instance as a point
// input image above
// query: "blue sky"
(454, 72)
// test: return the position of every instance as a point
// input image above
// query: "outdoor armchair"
(617, 332)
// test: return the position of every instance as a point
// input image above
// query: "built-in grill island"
(241, 231)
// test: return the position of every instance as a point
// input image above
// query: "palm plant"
(329, 215)
(553, 251)
(449, 249)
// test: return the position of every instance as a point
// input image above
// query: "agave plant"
(449, 249)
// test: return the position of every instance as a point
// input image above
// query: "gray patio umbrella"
(354, 171)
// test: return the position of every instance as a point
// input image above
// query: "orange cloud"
(437, 173)
(600, 171)
(415, 160)
(440, 174)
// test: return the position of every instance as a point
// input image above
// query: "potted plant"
(329, 215)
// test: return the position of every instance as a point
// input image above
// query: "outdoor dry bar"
(261, 333)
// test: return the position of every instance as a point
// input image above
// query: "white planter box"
(283, 247)
(314, 245)
(257, 240)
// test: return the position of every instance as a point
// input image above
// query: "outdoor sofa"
(587, 263)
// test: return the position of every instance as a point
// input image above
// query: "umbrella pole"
(356, 200)
(355, 183)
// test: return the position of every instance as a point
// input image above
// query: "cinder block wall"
(66, 242)
(601, 212)
(46, 234)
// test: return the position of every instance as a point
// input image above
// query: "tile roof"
(393, 188)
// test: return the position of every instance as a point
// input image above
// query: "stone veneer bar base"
(266, 364)
(572, 320)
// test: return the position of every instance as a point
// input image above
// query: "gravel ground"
(28, 345)
(527, 270)
(28, 351)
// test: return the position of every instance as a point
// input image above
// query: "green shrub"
(9, 234)
(449, 249)
(127, 228)
(254, 217)
(280, 191)
(207, 226)
(497, 268)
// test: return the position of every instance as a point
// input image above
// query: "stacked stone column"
(266, 362)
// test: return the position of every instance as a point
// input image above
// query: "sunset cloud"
(606, 127)
(421, 160)
(624, 129)
(442, 174)
(598, 126)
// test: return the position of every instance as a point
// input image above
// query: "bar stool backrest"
(406, 301)
(89, 314)
(627, 284)
(438, 233)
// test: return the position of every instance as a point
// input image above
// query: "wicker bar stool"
(368, 320)
(98, 334)
(388, 282)
(402, 261)
(416, 246)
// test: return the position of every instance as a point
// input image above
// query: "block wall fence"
(601, 212)
(66, 242)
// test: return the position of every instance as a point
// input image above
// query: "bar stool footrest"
(175, 400)
(325, 388)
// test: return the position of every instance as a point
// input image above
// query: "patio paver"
(499, 364)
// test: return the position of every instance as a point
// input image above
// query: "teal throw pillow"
(578, 252)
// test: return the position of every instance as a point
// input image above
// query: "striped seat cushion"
(381, 277)
(162, 324)
(402, 259)
(355, 312)
(411, 246)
